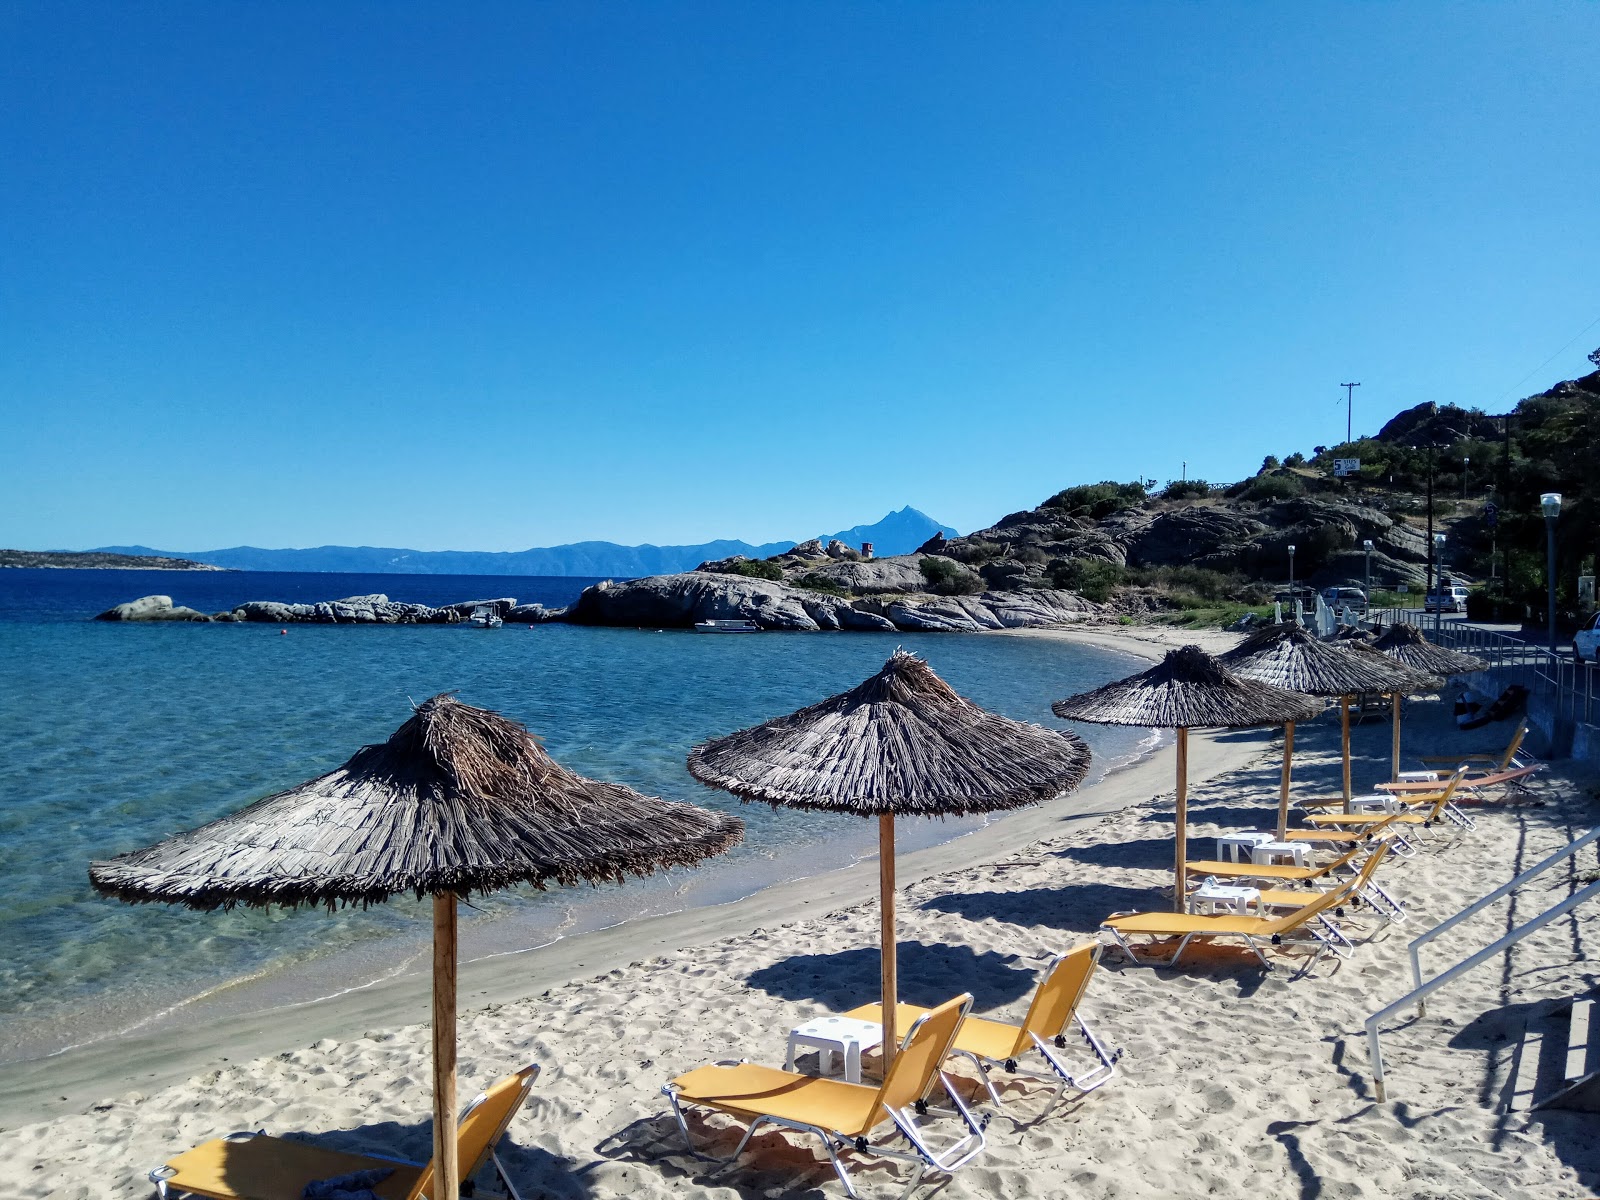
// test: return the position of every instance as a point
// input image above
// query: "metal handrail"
(1482, 903)
(1421, 991)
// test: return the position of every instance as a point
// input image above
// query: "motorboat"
(484, 616)
(740, 626)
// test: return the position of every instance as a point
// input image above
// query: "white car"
(1449, 600)
(1586, 642)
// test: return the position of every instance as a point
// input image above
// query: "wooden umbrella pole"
(1394, 750)
(1283, 787)
(446, 1168)
(1180, 891)
(891, 988)
(1344, 736)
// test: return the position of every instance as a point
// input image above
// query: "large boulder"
(898, 574)
(501, 607)
(1186, 534)
(681, 600)
(151, 608)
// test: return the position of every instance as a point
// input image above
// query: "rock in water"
(151, 608)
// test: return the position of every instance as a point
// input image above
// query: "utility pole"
(1349, 409)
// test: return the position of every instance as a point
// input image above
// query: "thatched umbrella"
(1185, 690)
(1286, 656)
(1406, 645)
(458, 800)
(903, 743)
(1420, 681)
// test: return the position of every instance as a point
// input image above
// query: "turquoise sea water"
(113, 736)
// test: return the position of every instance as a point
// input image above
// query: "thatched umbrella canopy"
(458, 800)
(1286, 656)
(1187, 689)
(1406, 645)
(903, 743)
(1420, 681)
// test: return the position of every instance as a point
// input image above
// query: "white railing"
(1421, 991)
(1570, 689)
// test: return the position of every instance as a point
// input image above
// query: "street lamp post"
(1466, 466)
(1292, 600)
(1438, 587)
(1550, 505)
(1367, 588)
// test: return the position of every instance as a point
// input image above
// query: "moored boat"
(740, 626)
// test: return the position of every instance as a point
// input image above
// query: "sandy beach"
(1231, 1077)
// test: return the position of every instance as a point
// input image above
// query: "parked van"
(1452, 599)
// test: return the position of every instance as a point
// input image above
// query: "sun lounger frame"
(922, 1155)
(162, 1174)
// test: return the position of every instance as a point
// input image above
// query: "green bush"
(1096, 500)
(949, 578)
(755, 569)
(974, 551)
(814, 582)
(1183, 489)
(1275, 487)
(1200, 585)
(1092, 578)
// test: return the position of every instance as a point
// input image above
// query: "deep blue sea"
(113, 736)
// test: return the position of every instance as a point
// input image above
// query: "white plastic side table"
(1230, 848)
(1212, 897)
(1270, 853)
(827, 1035)
(1378, 802)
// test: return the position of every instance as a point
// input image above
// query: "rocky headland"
(100, 560)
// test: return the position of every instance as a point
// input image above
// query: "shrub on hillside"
(814, 582)
(949, 578)
(1274, 487)
(755, 569)
(1097, 500)
(974, 551)
(1184, 489)
(1092, 578)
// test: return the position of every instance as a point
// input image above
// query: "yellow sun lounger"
(1381, 902)
(844, 1116)
(989, 1044)
(1499, 762)
(1286, 872)
(1419, 811)
(254, 1166)
(1310, 919)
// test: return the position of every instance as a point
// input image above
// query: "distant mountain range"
(898, 533)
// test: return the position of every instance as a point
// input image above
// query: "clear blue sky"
(491, 276)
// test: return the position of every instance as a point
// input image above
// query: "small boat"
(727, 627)
(484, 616)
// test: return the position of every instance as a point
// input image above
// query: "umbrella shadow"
(1142, 853)
(928, 975)
(1078, 908)
(776, 1162)
(534, 1171)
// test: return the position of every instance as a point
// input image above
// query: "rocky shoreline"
(669, 602)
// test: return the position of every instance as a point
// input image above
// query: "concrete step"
(1579, 1086)
(1558, 1060)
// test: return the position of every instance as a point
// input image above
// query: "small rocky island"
(99, 560)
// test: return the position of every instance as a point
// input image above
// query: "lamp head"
(1291, 548)
(1367, 545)
(1550, 504)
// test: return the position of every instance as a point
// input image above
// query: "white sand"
(1233, 1081)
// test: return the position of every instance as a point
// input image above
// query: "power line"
(1510, 390)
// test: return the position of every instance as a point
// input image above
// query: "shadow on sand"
(535, 1172)
(1078, 908)
(928, 975)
